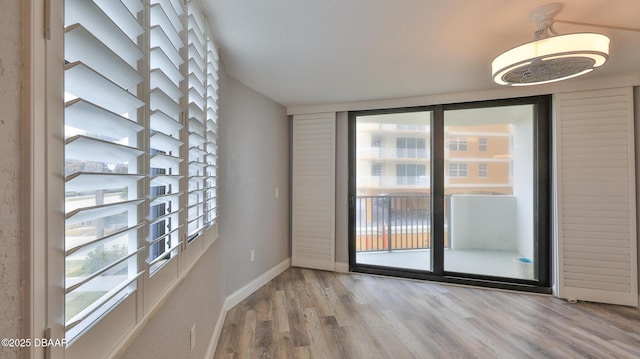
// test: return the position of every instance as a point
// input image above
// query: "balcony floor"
(476, 261)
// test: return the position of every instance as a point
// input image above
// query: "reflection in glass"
(489, 191)
(393, 199)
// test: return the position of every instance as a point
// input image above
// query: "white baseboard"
(217, 330)
(341, 267)
(240, 295)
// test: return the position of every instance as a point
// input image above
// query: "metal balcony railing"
(387, 223)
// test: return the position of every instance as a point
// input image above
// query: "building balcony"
(397, 182)
(395, 231)
(391, 153)
(392, 127)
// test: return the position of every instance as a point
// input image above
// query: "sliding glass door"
(489, 191)
(457, 193)
(393, 190)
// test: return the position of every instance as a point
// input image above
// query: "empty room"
(319, 179)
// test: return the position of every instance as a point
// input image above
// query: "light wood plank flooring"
(315, 314)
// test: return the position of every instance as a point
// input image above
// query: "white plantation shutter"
(211, 197)
(165, 125)
(140, 119)
(596, 213)
(196, 216)
(313, 195)
(103, 157)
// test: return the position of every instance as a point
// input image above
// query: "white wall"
(483, 222)
(523, 176)
(10, 236)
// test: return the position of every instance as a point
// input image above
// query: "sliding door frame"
(542, 198)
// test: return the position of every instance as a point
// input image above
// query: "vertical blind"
(140, 81)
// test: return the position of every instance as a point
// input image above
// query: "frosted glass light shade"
(551, 59)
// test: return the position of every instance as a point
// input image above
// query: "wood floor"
(315, 314)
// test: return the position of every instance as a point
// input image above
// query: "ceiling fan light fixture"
(550, 57)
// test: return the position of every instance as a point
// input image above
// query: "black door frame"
(542, 198)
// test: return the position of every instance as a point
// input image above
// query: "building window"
(482, 170)
(458, 144)
(411, 174)
(482, 144)
(457, 170)
(407, 127)
(376, 169)
(376, 142)
(411, 147)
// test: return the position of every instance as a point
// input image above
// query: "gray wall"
(197, 300)
(10, 265)
(253, 160)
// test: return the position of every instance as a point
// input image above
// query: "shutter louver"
(211, 156)
(597, 244)
(166, 124)
(140, 92)
(102, 155)
(197, 143)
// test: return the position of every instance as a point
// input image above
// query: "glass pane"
(81, 298)
(393, 200)
(489, 191)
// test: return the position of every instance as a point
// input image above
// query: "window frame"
(458, 144)
(44, 156)
(483, 170)
(438, 169)
(376, 169)
(483, 144)
(458, 170)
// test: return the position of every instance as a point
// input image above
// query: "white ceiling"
(307, 52)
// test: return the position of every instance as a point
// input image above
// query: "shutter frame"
(313, 192)
(596, 237)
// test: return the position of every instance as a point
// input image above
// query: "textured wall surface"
(10, 265)
(254, 161)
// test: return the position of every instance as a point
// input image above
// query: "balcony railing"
(387, 223)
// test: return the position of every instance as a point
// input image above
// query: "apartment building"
(398, 158)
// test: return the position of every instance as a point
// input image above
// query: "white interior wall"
(483, 222)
